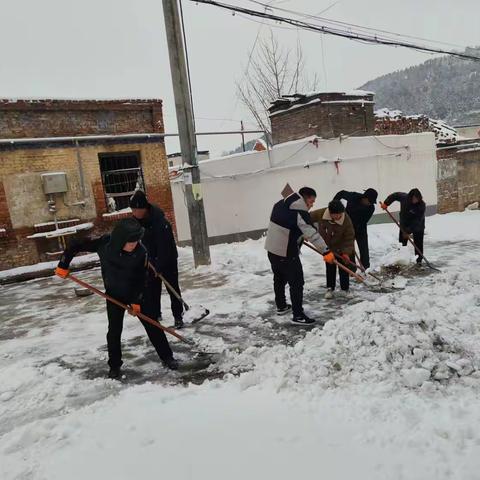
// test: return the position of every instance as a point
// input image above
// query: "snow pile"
(414, 339)
(399, 256)
(386, 113)
(387, 390)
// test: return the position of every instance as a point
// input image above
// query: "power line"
(316, 16)
(338, 32)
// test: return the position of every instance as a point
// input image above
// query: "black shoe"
(114, 373)
(302, 319)
(179, 323)
(419, 260)
(171, 364)
(283, 310)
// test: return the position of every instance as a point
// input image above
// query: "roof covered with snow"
(296, 100)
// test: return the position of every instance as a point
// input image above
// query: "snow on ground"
(387, 389)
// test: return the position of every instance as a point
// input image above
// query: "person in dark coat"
(162, 253)
(336, 228)
(360, 208)
(412, 217)
(123, 261)
(290, 222)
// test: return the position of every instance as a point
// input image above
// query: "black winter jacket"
(124, 274)
(158, 238)
(412, 215)
(359, 213)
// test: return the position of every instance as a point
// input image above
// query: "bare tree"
(272, 71)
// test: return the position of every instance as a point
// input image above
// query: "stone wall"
(458, 177)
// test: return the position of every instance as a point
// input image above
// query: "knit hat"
(138, 200)
(126, 230)
(371, 194)
(336, 206)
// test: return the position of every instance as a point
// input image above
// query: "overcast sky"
(117, 49)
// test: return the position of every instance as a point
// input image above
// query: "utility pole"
(243, 135)
(186, 130)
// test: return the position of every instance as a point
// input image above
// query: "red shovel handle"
(125, 307)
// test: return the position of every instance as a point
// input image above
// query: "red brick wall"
(16, 249)
(401, 126)
(58, 118)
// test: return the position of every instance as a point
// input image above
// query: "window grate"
(121, 175)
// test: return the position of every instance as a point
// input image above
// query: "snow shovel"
(339, 265)
(411, 241)
(375, 288)
(140, 315)
(381, 283)
(205, 312)
(363, 269)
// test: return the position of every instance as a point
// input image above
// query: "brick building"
(458, 176)
(69, 167)
(326, 115)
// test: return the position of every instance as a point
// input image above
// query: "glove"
(383, 205)
(134, 309)
(346, 257)
(329, 257)
(62, 272)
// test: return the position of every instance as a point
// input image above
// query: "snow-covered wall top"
(239, 190)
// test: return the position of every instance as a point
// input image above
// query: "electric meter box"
(54, 182)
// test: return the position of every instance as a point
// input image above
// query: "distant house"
(69, 167)
(175, 159)
(325, 114)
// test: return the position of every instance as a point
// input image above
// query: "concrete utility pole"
(186, 130)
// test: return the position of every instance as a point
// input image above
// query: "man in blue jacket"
(289, 224)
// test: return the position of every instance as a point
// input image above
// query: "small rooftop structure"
(325, 114)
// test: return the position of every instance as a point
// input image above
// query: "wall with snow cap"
(239, 190)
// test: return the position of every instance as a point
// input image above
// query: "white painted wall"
(239, 190)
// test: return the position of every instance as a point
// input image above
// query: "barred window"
(121, 175)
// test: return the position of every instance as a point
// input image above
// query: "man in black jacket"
(290, 222)
(412, 217)
(123, 261)
(162, 253)
(360, 208)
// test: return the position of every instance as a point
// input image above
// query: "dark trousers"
(332, 276)
(417, 239)
(170, 273)
(114, 334)
(361, 236)
(287, 270)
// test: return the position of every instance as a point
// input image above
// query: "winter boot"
(302, 319)
(283, 310)
(171, 364)
(179, 323)
(114, 373)
(329, 294)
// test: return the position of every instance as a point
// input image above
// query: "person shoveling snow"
(124, 266)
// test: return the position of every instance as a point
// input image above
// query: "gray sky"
(117, 49)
